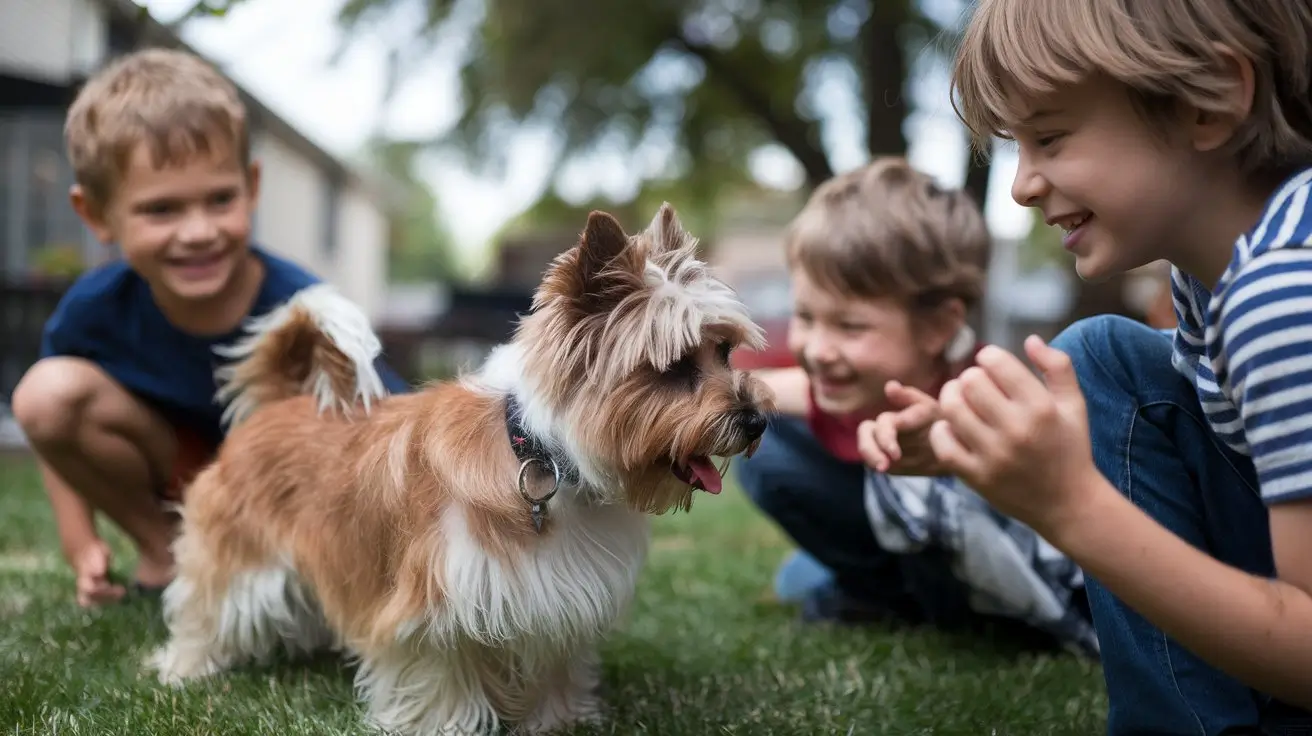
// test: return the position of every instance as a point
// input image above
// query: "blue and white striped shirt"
(1247, 345)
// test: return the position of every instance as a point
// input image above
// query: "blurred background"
(431, 156)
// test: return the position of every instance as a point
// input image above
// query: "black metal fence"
(25, 306)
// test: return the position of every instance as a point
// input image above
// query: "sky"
(280, 51)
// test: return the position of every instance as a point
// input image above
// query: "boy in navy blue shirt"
(120, 409)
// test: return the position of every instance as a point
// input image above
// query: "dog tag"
(539, 512)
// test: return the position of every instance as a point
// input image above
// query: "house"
(313, 208)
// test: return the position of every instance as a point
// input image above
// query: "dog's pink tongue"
(704, 470)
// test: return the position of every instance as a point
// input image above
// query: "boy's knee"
(1115, 349)
(50, 402)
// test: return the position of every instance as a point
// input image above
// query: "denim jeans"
(818, 501)
(1151, 441)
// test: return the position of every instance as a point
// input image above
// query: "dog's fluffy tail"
(318, 343)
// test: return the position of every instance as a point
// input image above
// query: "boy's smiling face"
(850, 348)
(184, 228)
(1124, 188)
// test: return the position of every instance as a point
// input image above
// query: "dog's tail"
(317, 343)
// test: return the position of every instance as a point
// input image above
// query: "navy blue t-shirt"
(109, 317)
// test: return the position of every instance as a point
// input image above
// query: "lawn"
(702, 654)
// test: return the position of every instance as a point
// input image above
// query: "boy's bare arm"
(1257, 630)
(791, 387)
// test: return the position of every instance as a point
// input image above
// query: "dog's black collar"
(529, 449)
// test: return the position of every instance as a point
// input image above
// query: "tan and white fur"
(396, 531)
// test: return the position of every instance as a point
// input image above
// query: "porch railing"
(25, 305)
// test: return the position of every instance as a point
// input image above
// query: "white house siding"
(51, 40)
(344, 243)
(361, 268)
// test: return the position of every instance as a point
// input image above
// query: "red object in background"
(774, 355)
(770, 303)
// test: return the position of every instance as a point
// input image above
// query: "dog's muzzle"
(751, 423)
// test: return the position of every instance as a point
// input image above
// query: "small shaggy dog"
(470, 543)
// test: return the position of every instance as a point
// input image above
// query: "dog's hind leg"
(221, 613)
(260, 612)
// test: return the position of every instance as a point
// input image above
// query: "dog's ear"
(603, 239)
(665, 230)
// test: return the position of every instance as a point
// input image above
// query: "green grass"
(703, 654)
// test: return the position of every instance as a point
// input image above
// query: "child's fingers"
(95, 590)
(967, 427)
(105, 593)
(903, 396)
(868, 445)
(952, 455)
(886, 436)
(916, 418)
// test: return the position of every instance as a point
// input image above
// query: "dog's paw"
(553, 717)
(174, 668)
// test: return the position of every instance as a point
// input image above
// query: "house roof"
(154, 33)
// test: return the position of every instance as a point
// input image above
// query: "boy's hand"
(1020, 443)
(897, 442)
(91, 566)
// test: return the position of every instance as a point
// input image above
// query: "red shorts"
(194, 453)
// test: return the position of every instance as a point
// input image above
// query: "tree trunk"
(977, 179)
(885, 78)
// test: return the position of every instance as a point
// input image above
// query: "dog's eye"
(723, 350)
(683, 372)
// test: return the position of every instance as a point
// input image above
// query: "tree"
(706, 83)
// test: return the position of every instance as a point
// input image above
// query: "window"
(38, 228)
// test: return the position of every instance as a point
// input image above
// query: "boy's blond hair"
(172, 102)
(1164, 51)
(886, 230)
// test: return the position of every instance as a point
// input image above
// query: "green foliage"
(420, 248)
(59, 261)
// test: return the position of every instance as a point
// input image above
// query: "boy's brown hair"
(1166, 53)
(886, 230)
(172, 102)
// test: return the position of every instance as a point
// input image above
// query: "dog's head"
(628, 348)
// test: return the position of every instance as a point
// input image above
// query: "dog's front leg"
(571, 695)
(412, 688)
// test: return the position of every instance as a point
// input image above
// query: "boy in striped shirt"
(1177, 471)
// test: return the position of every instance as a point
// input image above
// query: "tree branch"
(800, 138)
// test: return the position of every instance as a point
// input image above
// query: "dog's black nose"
(752, 422)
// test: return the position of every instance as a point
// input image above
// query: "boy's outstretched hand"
(91, 566)
(1021, 442)
(897, 442)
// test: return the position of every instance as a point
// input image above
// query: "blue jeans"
(818, 501)
(1151, 441)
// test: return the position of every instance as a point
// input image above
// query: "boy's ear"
(1212, 129)
(940, 325)
(253, 172)
(91, 212)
